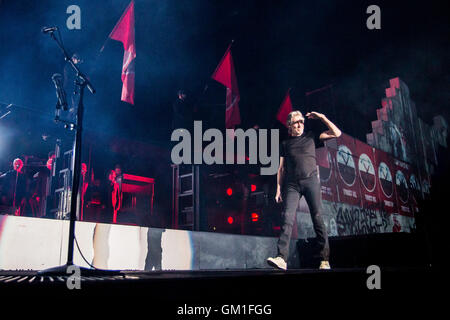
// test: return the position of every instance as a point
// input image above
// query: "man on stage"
(297, 176)
(16, 185)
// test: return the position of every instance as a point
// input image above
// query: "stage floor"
(217, 283)
(228, 294)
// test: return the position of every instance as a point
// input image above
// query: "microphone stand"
(81, 82)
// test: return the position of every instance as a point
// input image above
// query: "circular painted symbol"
(366, 172)
(414, 182)
(325, 172)
(385, 177)
(402, 186)
(346, 165)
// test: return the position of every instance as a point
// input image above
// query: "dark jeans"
(291, 195)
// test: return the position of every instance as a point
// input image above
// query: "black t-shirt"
(300, 156)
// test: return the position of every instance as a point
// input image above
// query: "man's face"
(18, 164)
(297, 126)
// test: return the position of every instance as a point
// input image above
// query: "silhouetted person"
(84, 184)
(41, 186)
(16, 189)
(70, 87)
(115, 195)
(183, 112)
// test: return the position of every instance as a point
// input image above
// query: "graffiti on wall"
(355, 220)
(342, 219)
(374, 187)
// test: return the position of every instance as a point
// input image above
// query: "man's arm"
(332, 132)
(280, 176)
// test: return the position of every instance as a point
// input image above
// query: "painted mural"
(374, 186)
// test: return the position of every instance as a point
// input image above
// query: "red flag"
(285, 109)
(224, 74)
(124, 32)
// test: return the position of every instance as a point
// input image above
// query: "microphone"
(49, 29)
(60, 93)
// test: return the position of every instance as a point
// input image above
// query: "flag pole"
(117, 24)
(282, 101)
(94, 65)
(223, 57)
(205, 88)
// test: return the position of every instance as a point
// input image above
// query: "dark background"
(302, 45)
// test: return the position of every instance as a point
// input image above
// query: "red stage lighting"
(255, 217)
(229, 191)
(230, 220)
(253, 187)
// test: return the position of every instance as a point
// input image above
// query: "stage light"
(229, 191)
(253, 187)
(230, 220)
(255, 217)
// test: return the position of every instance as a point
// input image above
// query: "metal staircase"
(185, 197)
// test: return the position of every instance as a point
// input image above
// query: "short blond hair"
(291, 115)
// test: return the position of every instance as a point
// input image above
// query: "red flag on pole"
(285, 109)
(124, 32)
(224, 74)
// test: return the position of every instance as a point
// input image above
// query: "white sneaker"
(324, 265)
(277, 262)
